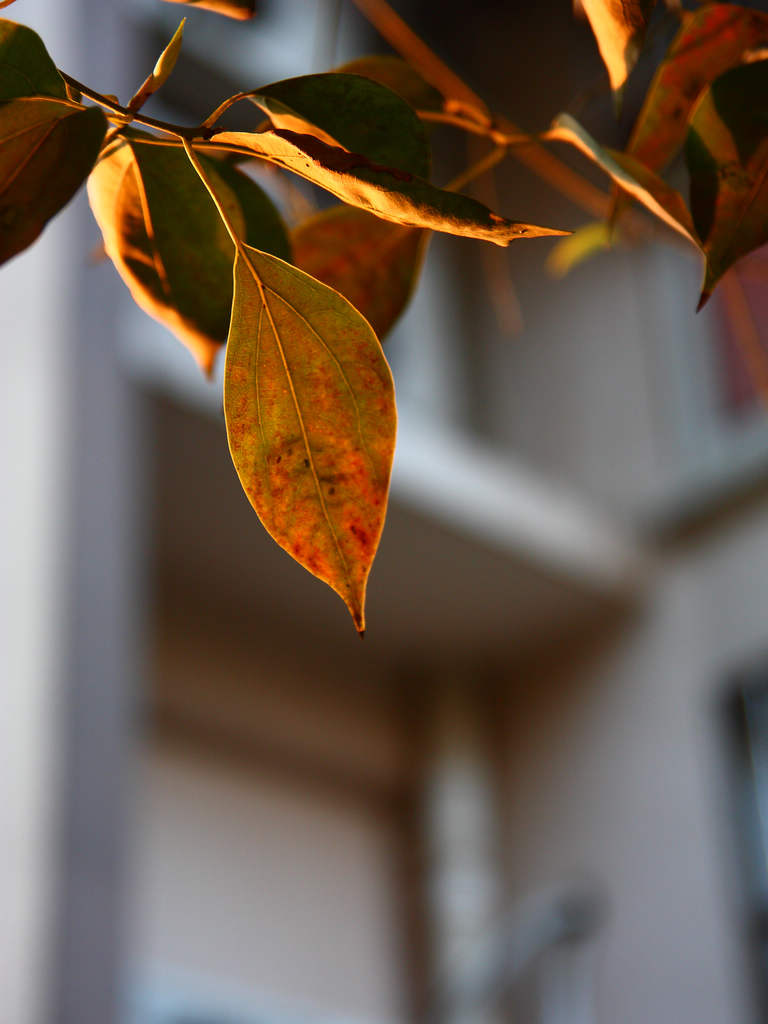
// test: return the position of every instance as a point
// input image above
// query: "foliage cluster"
(308, 395)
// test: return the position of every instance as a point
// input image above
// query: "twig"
(485, 164)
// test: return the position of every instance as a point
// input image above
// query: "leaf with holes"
(372, 263)
(167, 240)
(619, 27)
(47, 148)
(397, 75)
(727, 156)
(629, 174)
(710, 41)
(310, 411)
(241, 10)
(390, 193)
(26, 69)
(352, 112)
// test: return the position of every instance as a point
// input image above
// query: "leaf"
(727, 155)
(242, 10)
(399, 76)
(165, 64)
(310, 411)
(567, 254)
(353, 112)
(629, 174)
(711, 40)
(373, 263)
(619, 27)
(47, 148)
(25, 66)
(392, 194)
(167, 240)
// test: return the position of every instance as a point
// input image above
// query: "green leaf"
(353, 112)
(399, 76)
(727, 155)
(567, 254)
(238, 9)
(629, 174)
(392, 194)
(310, 412)
(47, 148)
(25, 66)
(373, 263)
(711, 40)
(167, 240)
(619, 27)
(162, 70)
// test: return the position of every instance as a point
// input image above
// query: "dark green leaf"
(619, 27)
(629, 174)
(353, 112)
(727, 156)
(310, 411)
(398, 76)
(47, 148)
(373, 263)
(710, 41)
(239, 9)
(25, 67)
(393, 194)
(167, 241)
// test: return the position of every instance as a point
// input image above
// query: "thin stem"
(485, 164)
(194, 160)
(487, 130)
(404, 40)
(126, 115)
(223, 107)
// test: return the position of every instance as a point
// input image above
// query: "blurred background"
(538, 791)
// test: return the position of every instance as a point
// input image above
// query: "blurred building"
(537, 791)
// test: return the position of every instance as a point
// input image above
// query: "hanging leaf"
(397, 75)
(165, 64)
(629, 174)
(167, 240)
(353, 112)
(619, 27)
(568, 253)
(373, 263)
(239, 9)
(711, 40)
(727, 155)
(310, 412)
(47, 148)
(25, 66)
(393, 194)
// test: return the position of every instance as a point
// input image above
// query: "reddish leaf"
(711, 40)
(373, 263)
(727, 155)
(310, 411)
(239, 9)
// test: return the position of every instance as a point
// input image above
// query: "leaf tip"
(703, 299)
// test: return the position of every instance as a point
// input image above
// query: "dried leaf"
(712, 39)
(167, 240)
(727, 156)
(392, 194)
(373, 263)
(619, 27)
(165, 64)
(25, 66)
(238, 9)
(310, 411)
(397, 75)
(353, 112)
(47, 148)
(629, 174)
